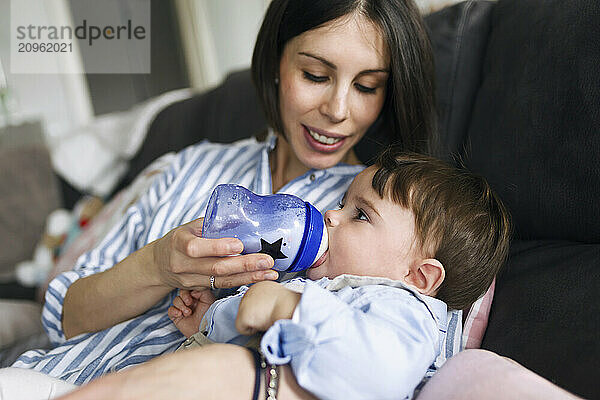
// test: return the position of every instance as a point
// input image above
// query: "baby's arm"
(377, 344)
(188, 309)
(263, 304)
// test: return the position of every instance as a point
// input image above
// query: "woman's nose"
(335, 107)
(331, 218)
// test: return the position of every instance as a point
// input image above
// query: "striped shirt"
(178, 195)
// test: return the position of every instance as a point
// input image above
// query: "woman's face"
(332, 88)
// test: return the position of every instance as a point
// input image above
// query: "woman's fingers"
(195, 226)
(220, 266)
(246, 263)
(186, 242)
(244, 278)
(199, 281)
(185, 260)
(201, 247)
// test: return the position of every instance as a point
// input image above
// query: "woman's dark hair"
(408, 114)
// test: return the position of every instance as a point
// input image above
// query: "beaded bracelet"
(271, 378)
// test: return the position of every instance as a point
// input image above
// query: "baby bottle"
(287, 228)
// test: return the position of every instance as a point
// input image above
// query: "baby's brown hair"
(459, 220)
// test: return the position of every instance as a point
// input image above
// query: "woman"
(325, 71)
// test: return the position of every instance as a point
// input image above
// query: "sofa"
(518, 93)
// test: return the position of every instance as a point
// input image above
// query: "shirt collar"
(271, 140)
(436, 307)
(263, 184)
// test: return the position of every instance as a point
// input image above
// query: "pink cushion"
(477, 320)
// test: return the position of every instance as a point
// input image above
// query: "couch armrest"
(28, 193)
(20, 319)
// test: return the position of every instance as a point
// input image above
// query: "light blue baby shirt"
(351, 337)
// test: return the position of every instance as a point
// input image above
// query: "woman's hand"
(180, 259)
(262, 305)
(183, 259)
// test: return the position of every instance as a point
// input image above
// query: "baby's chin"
(314, 273)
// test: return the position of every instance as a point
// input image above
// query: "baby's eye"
(314, 78)
(360, 215)
(340, 204)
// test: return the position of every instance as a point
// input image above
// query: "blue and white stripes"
(178, 195)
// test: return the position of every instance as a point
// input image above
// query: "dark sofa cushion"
(227, 113)
(535, 127)
(459, 37)
(546, 312)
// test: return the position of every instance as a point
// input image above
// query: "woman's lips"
(325, 143)
(320, 260)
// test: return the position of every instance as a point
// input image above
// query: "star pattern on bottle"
(272, 249)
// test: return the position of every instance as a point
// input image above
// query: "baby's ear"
(427, 276)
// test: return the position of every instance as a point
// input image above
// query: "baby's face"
(368, 235)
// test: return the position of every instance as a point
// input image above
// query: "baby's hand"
(188, 309)
(262, 305)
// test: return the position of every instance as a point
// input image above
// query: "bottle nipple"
(324, 246)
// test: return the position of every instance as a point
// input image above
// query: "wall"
(219, 35)
(117, 92)
(60, 101)
(429, 6)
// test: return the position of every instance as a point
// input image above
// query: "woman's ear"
(427, 276)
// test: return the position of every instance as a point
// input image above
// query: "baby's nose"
(330, 218)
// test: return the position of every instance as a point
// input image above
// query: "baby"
(412, 237)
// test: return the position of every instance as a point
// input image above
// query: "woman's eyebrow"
(333, 66)
(324, 61)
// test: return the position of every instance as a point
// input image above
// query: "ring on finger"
(212, 282)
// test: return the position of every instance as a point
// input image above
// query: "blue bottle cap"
(314, 241)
